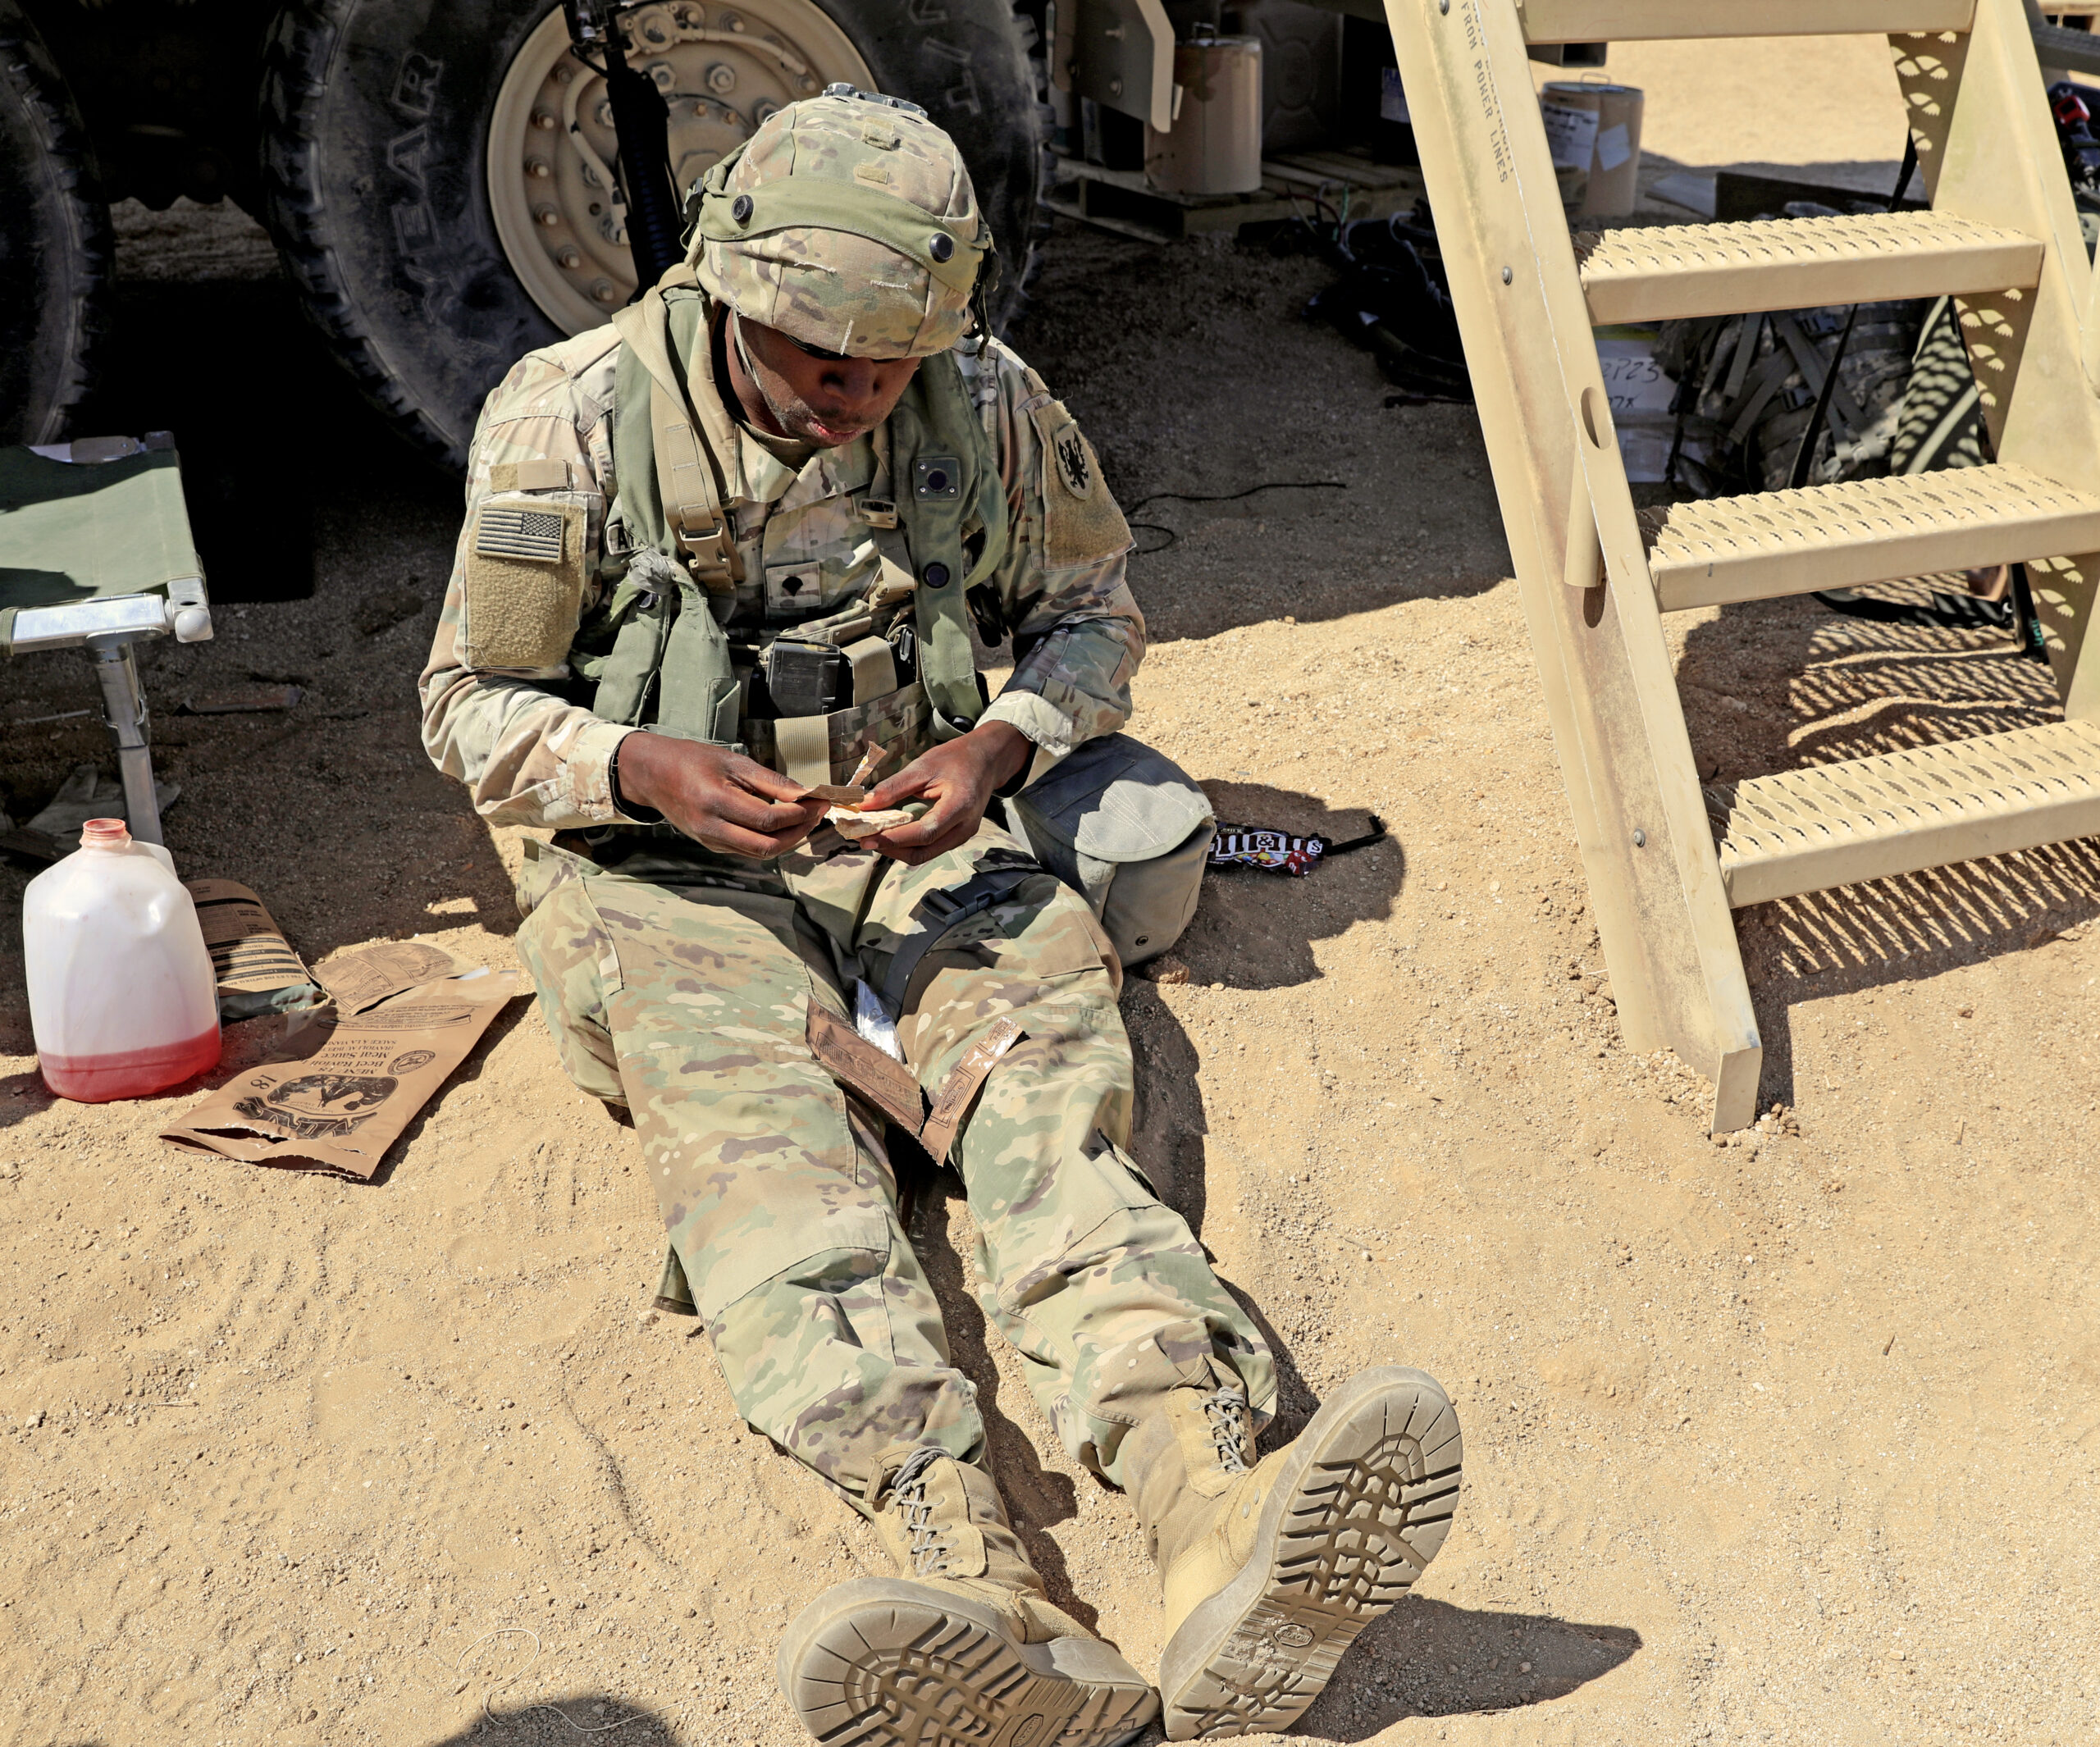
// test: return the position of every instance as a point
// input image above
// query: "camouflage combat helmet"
(847, 221)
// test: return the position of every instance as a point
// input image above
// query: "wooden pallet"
(1123, 201)
(2066, 49)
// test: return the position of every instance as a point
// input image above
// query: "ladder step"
(1762, 546)
(1867, 818)
(1651, 21)
(1657, 273)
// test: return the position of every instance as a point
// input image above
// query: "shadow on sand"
(1427, 1658)
(1775, 685)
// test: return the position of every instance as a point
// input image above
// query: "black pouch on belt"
(808, 679)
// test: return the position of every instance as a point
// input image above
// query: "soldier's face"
(815, 397)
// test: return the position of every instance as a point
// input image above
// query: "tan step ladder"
(2003, 238)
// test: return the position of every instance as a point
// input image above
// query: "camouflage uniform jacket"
(530, 756)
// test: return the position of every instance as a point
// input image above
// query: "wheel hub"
(722, 70)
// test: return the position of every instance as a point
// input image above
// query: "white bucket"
(1594, 131)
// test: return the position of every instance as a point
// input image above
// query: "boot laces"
(1225, 1408)
(929, 1551)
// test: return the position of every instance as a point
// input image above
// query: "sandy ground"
(1790, 1440)
(1780, 100)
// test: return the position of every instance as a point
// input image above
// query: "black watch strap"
(621, 805)
(1018, 780)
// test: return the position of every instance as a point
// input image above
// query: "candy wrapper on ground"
(1280, 852)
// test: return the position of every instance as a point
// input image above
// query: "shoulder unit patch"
(1080, 521)
(1074, 466)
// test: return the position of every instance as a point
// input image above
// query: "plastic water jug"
(121, 994)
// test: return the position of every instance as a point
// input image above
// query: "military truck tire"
(55, 245)
(384, 119)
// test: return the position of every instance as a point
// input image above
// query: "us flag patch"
(530, 534)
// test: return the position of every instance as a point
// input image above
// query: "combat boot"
(1270, 1568)
(963, 1649)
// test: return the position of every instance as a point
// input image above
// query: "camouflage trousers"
(678, 983)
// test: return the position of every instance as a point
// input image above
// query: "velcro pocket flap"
(720, 1275)
(529, 475)
(1115, 799)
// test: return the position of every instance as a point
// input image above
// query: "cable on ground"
(1222, 497)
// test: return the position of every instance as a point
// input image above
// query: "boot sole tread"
(1339, 1542)
(887, 1663)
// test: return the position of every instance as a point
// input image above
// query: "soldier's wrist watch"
(621, 805)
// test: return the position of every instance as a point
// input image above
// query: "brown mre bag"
(340, 1108)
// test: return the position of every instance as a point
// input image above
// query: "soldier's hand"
(727, 801)
(959, 778)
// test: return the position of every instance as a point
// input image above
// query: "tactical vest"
(655, 651)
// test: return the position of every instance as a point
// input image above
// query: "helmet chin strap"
(750, 372)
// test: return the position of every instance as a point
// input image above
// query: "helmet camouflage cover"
(847, 221)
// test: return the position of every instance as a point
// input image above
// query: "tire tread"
(35, 88)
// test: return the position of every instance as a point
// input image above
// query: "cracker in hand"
(853, 825)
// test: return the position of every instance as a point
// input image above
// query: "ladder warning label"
(1490, 107)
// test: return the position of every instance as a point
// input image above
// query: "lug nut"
(547, 216)
(538, 166)
(569, 256)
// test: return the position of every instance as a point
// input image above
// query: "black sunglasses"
(811, 351)
(830, 358)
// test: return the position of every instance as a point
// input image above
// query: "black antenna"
(1805, 456)
(641, 120)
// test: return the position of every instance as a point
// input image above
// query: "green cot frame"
(96, 554)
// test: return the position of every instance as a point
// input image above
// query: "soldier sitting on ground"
(719, 553)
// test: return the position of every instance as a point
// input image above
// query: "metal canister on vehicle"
(1215, 145)
(1594, 131)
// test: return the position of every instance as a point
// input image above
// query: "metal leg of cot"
(124, 708)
